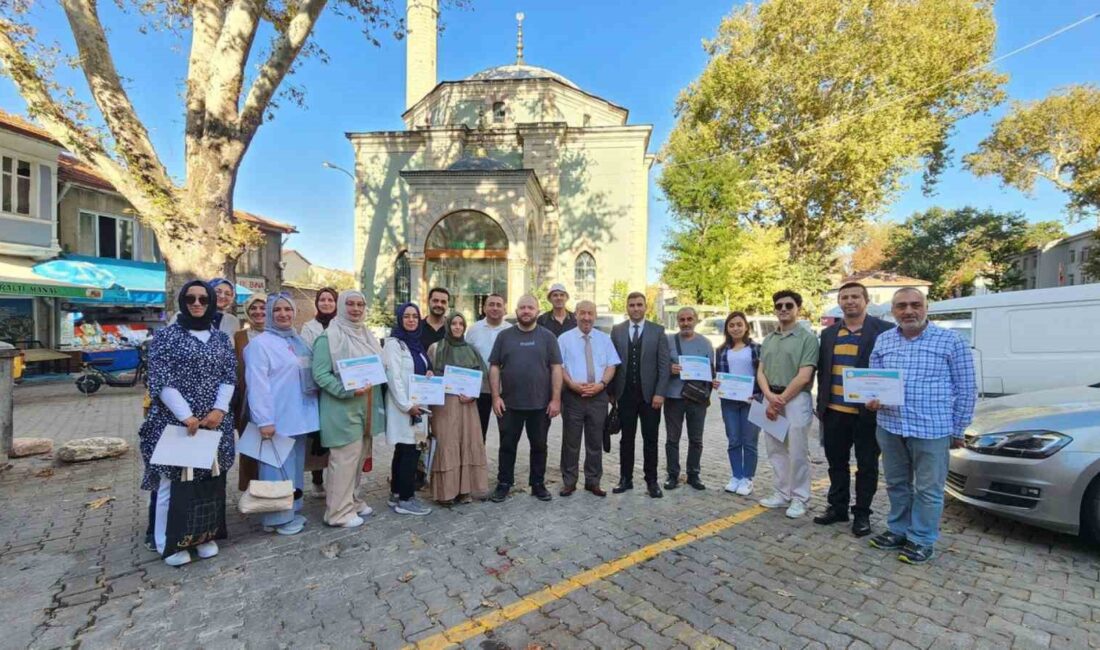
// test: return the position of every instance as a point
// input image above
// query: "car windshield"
(710, 326)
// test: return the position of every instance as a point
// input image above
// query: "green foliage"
(617, 300)
(810, 112)
(1090, 268)
(1042, 232)
(952, 248)
(1056, 139)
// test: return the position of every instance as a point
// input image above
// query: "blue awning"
(125, 282)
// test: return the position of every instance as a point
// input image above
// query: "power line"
(830, 122)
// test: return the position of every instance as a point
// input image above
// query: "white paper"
(776, 428)
(692, 368)
(738, 387)
(274, 453)
(861, 385)
(357, 373)
(178, 449)
(426, 391)
(462, 381)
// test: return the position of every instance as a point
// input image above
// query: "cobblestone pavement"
(72, 575)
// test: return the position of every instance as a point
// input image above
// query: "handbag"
(694, 390)
(268, 496)
(196, 512)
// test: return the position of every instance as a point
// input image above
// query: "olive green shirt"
(344, 416)
(783, 353)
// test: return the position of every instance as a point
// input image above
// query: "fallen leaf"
(99, 488)
(331, 551)
(784, 593)
(408, 576)
(99, 503)
(312, 585)
(44, 473)
(416, 541)
(488, 603)
(502, 551)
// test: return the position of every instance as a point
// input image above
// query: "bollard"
(7, 401)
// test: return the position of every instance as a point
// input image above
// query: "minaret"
(519, 38)
(422, 21)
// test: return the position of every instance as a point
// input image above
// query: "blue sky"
(638, 54)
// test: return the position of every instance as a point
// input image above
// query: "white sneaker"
(179, 558)
(776, 500)
(732, 486)
(745, 488)
(796, 509)
(354, 522)
(366, 511)
(207, 550)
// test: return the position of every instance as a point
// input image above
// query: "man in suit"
(638, 389)
(848, 344)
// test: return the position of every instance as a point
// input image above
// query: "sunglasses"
(784, 306)
(190, 300)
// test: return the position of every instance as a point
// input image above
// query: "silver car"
(1034, 457)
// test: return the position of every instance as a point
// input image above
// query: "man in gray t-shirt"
(525, 378)
(678, 409)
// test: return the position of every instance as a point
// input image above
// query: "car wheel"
(1090, 512)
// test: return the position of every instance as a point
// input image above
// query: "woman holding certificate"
(192, 372)
(406, 423)
(282, 401)
(349, 417)
(737, 360)
(459, 464)
(325, 305)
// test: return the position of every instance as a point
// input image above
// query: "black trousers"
(676, 411)
(484, 412)
(841, 432)
(403, 470)
(512, 425)
(632, 408)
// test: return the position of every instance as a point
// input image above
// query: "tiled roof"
(74, 170)
(264, 223)
(883, 279)
(13, 122)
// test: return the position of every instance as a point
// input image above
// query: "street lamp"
(326, 164)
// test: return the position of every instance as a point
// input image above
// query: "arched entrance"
(467, 252)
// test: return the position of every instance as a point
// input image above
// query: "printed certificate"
(357, 373)
(426, 391)
(738, 387)
(694, 368)
(861, 385)
(461, 381)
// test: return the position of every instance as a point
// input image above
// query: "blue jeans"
(742, 436)
(293, 469)
(915, 470)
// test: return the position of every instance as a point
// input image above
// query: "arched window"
(402, 281)
(584, 276)
(498, 112)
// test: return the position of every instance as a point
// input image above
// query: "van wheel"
(1090, 512)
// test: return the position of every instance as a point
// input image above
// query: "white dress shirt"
(275, 395)
(572, 354)
(630, 329)
(482, 335)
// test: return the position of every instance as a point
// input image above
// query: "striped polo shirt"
(845, 355)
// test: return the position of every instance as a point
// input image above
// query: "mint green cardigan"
(342, 413)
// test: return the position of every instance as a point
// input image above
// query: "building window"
(402, 280)
(15, 186)
(1070, 279)
(251, 262)
(498, 112)
(584, 276)
(106, 236)
(586, 120)
(1085, 253)
(1072, 255)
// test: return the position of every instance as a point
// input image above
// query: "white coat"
(398, 362)
(274, 385)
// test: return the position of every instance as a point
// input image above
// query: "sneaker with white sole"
(355, 522)
(732, 486)
(745, 489)
(366, 511)
(392, 501)
(412, 507)
(796, 509)
(207, 550)
(776, 500)
(179, 558)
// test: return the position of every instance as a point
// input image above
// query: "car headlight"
(1019, 444)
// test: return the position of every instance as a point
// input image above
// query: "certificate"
(694, 368)
(274, 453)
(777, 428)
(462, 381)
(738, 387)
(861, 385)
(357, 373)
(426, 391)
(178, 449)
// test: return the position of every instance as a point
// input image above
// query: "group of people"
(205, 372)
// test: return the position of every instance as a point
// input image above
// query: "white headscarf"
(347, 339)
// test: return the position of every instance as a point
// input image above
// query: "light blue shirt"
(572, 354)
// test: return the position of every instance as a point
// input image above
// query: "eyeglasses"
(190, 300)
(784, 306)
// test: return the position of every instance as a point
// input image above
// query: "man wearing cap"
(559, 319)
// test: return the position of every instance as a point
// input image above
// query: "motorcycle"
(94, 373)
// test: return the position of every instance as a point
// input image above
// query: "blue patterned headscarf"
(411, 339)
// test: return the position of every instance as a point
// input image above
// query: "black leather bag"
(695, 391)
(611, 426)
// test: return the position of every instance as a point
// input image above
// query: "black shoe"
(861, 525)
(887, 541)
(694, 482)
(830, 516)
(501, 493)
(672, 483)
(623, 486)
(916, 553)
(540, 492)
(654, 490)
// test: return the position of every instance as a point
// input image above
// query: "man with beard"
(559, 319)
(525, 377)
(433, 327)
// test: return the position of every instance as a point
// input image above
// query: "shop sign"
(48, 291)
(255, 285)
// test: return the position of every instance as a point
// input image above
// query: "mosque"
(506, 181)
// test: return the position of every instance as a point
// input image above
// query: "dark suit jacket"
(872, 327)
(655, 359)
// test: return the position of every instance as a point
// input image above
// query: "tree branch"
(207, 18)
(226, 70)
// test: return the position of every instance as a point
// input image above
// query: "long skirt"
(459, 465)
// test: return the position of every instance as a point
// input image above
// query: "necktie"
(589, 363)
(635, 339)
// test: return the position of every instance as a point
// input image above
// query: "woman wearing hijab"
(459, 464)
(325, 304)
(192, 371)
(226, 294)
(349, 419)
(406, 423)
(256, 310)
(282, 400)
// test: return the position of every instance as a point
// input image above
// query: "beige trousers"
(345, 467)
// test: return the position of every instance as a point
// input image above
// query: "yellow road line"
(535, 601)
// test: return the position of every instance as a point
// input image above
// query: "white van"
(1028, 340)
(711, 328)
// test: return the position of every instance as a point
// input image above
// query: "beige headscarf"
(253, 329)
(347, 339)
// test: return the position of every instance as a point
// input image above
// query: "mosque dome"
(519, 71)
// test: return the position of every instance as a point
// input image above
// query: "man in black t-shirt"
(525, 377)
(432, 327)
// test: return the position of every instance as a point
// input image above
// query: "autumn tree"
(810, 112)
(869, 246)
(231, 87)
(1056, 139)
